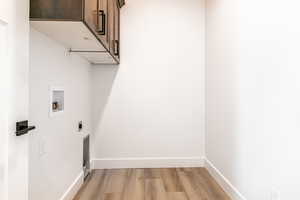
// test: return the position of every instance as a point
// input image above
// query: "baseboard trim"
(223, 181)
(74, 188)
(154, 162)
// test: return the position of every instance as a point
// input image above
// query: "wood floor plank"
(211, 186)
(94, 189)
(134, 185)
(152, 173)
(193, 190)
(177, 196)
(154, 190)
(151, 184)
(113, 196)
(171, 180)
(116, 181)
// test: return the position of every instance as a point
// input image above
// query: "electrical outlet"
(275, 195)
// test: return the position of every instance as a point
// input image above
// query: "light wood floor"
(151, 184)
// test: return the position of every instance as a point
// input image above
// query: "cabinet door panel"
(56, 10)
(96, 18)
(103, 21)
(117, 31)
(111, 11)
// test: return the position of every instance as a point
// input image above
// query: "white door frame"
(3, 109)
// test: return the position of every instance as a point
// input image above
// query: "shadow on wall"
(103, 80)
(241, 95)
(223, 113)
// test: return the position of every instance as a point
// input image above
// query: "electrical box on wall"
(57, 101)
(80, 126)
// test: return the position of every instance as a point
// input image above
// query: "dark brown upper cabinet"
(90, 28)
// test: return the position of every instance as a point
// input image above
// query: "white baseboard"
(155, 162)
(223, 181)
(74, 188)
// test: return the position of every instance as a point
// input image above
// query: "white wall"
(56, 145)
(14, 99)
(152, 106)
(252, 99)
(286, 153)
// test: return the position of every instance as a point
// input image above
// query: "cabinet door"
(117, 31)
(96, 18)
(102, 23)
(69, 10)
(111, 25)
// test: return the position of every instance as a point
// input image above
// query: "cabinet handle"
(117, 48)
(101, 14)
